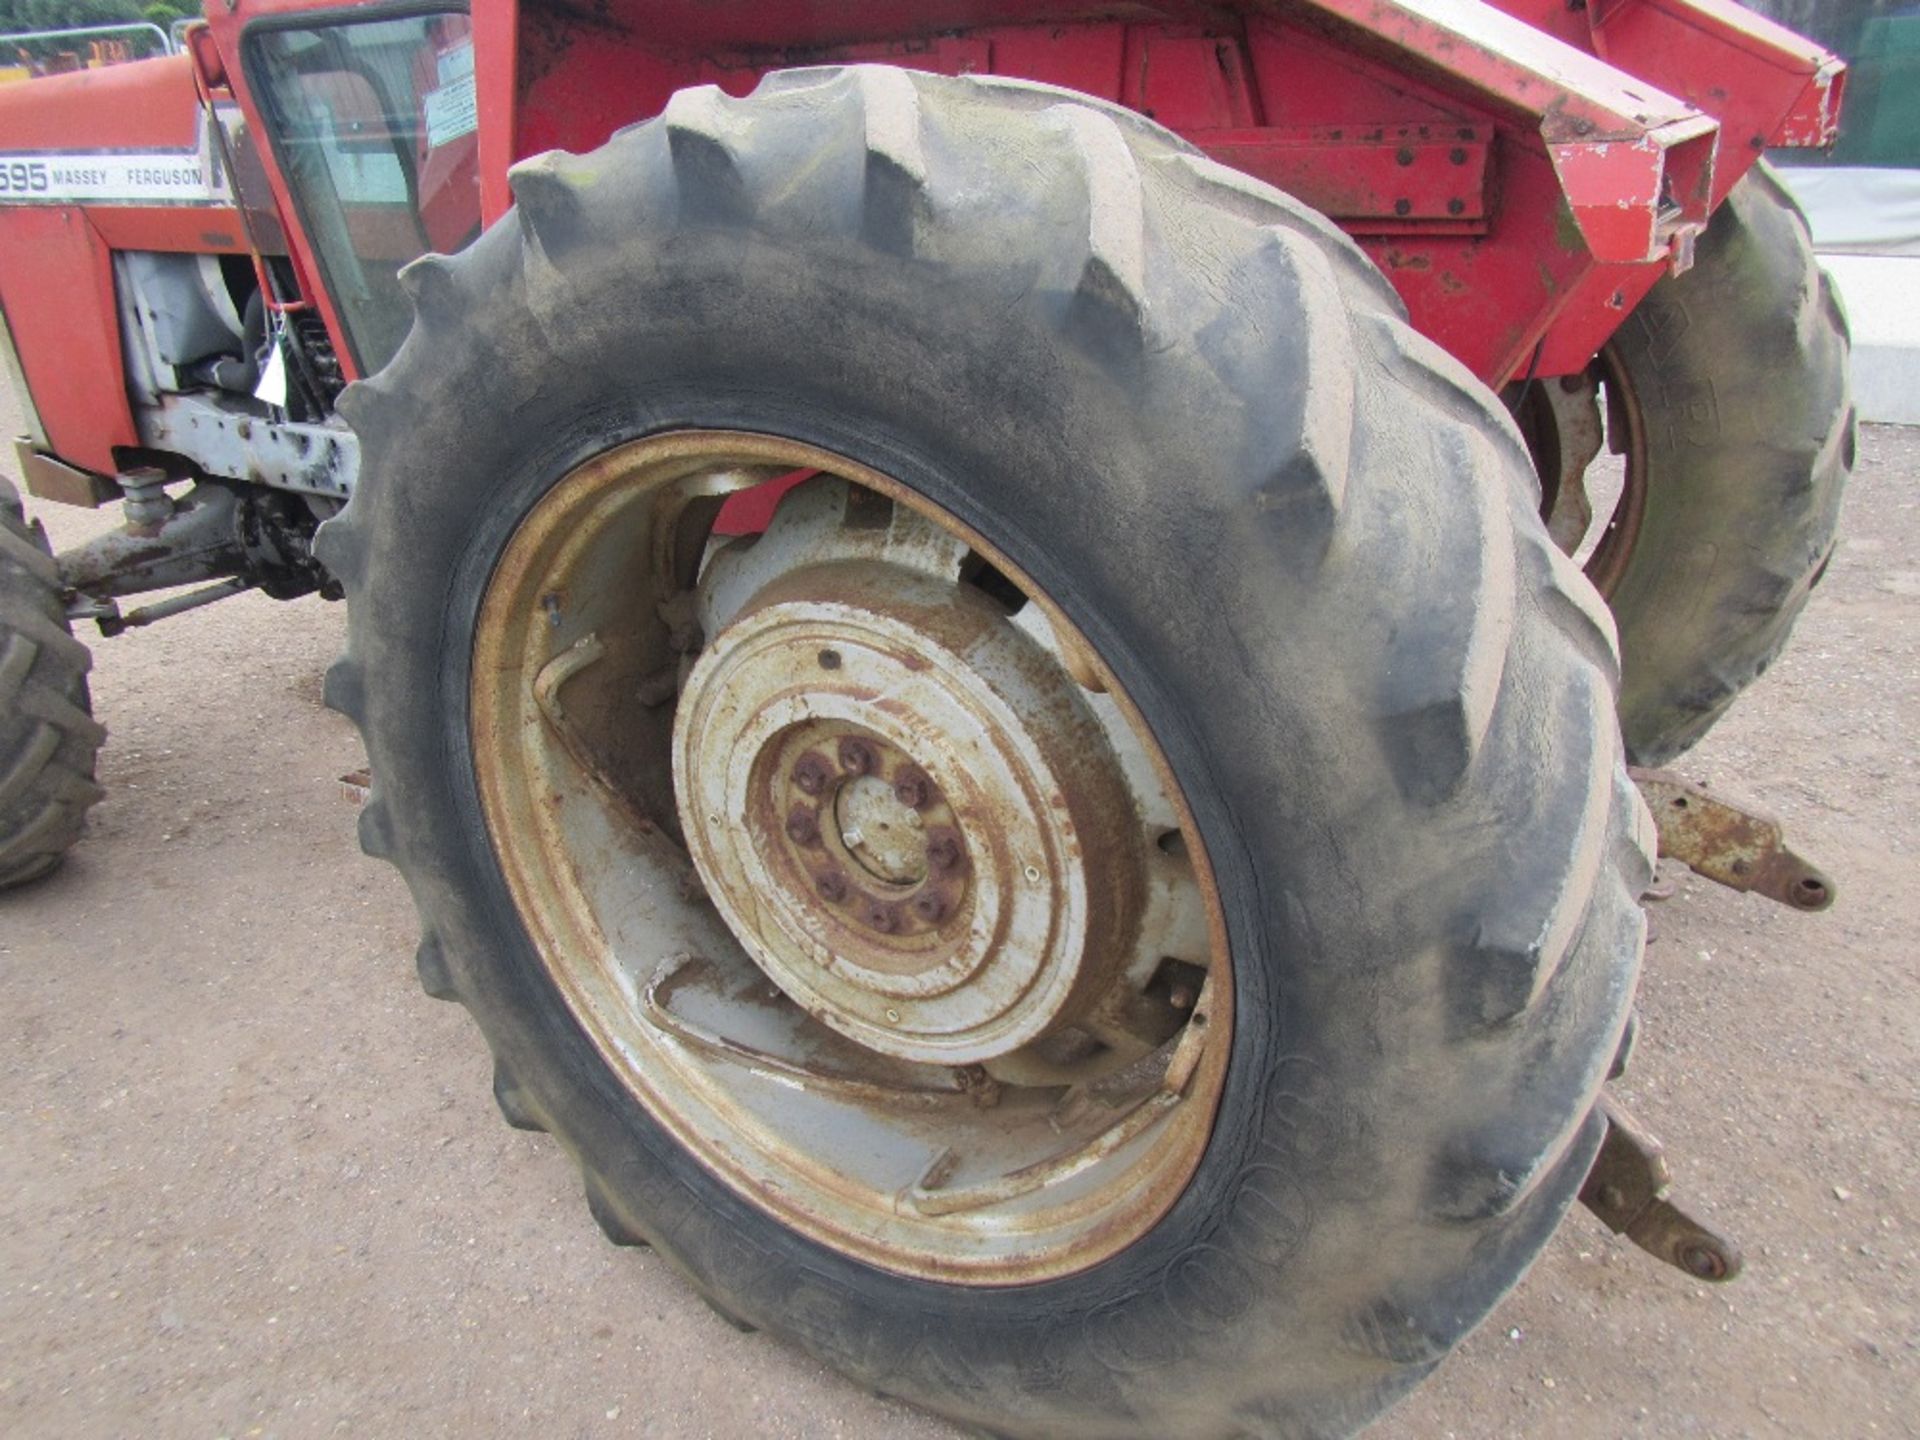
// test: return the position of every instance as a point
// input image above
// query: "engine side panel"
(56, 282)
(90, 163)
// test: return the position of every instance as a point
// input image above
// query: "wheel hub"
(868, 829)
(897, 801)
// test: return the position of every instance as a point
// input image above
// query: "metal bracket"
(282, 455)
(1740, 848)
(50, 478)
(1630, 1189)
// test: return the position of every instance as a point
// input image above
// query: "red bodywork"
(1522, 172)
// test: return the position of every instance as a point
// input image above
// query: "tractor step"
(1740, 847)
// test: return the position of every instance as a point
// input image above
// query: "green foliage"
(21, 15)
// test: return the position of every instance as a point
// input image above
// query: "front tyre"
(1110, 915)
(48, 736)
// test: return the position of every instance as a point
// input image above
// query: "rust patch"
(1740, 848)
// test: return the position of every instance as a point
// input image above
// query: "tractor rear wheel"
(48, 737)
(1109, 916)
(1726, 392)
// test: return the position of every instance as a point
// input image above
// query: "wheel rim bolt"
(810, 774)
(856, 756)
(832, 886)
(930, 907)
(881, 917)
(913, 789)
(802, 828)
(943, 853)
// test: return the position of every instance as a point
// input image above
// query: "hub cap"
(901, 804)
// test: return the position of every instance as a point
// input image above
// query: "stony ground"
(252, 1182)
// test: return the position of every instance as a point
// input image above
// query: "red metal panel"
(1764, 84)
(56, 284)
(496, 78)
(1585, 178)
(942, 55)
(1190, 82)
(146, 106)
(1375, 179)
(579, 83)
(186, 229)
(1086, 58)
(1490, 298)
(778, 30)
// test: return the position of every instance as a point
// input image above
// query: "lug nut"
(856, 756)
(913, 789)
(811, 773)
(943, 852)
(802, 828)
(930, 907)
(832, 886)
(881, 917)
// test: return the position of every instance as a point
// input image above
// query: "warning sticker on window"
(453, 110)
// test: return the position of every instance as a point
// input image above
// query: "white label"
(117, 177)
(273, 377)
(152, 177)
(452, 111)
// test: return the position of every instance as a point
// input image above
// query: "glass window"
(376, 126)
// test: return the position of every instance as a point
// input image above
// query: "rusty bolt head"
(943, 852)
(811, 773)
(1182, 996)
(930, 906)
(802, 828)
(880, 916)
(832, 886)
(856, 755)
(913, 789)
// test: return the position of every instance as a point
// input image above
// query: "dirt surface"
(252, 1182)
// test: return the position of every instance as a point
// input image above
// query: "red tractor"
(988, 630)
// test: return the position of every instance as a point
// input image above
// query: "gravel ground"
(252, 1182)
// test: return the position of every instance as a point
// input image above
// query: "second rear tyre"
(1141, 525)
(1730, 401)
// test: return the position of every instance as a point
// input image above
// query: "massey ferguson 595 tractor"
(980, 624)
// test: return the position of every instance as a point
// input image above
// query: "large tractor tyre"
(1730, 385)
(1110, 916)
(48, 737)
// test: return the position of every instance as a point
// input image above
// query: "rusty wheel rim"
(867, 880)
